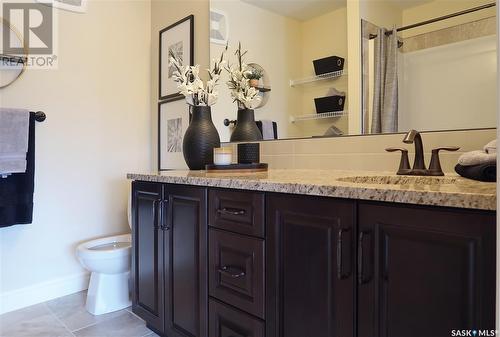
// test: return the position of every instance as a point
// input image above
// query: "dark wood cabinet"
(236, 265)
(310, 278)
(237, 211)
(223, 263)
(169, 264)
(229, 322)
(424, 271)
(147, 268)
(186, 281)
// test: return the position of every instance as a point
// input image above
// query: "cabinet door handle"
(231, 211)
(156, 214)
(232, 272)
(340, 269)
(163, 218)
(362, 279)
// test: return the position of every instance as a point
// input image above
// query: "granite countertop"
(455, 192)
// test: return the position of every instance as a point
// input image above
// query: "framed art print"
(173, 121)
(78, 6)
(179, 39)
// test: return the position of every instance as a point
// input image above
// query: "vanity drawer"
(236, 270)
(237, 211)
(228, 322)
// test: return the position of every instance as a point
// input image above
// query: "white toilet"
(108, 259)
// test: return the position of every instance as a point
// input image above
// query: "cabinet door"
(424, 271)
(186, 298)
(310, 254)
(147, 254)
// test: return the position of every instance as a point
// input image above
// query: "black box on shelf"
(329, 103)
(328, 64)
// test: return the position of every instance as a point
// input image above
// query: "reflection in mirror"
(436, 71)
(429, 65)
(283, 38)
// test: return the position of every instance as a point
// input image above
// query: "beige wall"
(277, 52)
(322, 36)
(381, 13)
(97, 129)
(163, 14)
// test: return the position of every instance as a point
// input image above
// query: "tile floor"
(67, 317)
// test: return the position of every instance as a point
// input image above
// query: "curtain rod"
(445, 17)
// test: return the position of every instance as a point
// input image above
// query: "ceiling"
(299, 9)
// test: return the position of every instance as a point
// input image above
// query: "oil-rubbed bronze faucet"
(419, 168)
(414, 137)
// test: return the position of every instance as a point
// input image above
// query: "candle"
(223, 155)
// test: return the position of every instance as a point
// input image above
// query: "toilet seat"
(106, 248)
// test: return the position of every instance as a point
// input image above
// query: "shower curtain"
(385, 95)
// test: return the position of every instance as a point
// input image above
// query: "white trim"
(41, 292)
(498, 181)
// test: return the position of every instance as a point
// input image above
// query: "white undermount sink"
(399, 180)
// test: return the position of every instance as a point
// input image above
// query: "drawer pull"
(232, 272)
(231, 211)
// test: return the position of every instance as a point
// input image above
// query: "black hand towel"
(484, 172)
(16, 191)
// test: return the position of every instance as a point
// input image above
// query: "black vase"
(246, 129)
(200, 139)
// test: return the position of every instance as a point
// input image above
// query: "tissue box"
(328, 65)
(329, 104)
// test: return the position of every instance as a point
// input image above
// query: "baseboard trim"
(41, 292)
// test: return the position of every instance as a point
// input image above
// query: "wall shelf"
(323, 115)
(316, 78)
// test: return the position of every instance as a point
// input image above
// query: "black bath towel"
(16, 191)
(484, 172)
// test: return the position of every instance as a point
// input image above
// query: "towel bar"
(40, 116)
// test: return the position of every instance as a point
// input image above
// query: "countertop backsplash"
(366, 152)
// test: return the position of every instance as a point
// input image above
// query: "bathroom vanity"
(311, 253)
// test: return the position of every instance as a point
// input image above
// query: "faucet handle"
(404, 164)
(435, 165)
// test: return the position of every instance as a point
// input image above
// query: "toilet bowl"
(108, 260)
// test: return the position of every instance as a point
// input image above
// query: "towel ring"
(6, 23)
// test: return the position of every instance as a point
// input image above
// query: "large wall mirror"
(429, 65)
(423, 64)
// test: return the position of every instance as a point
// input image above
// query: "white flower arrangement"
(242, 91)
(191, 85)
